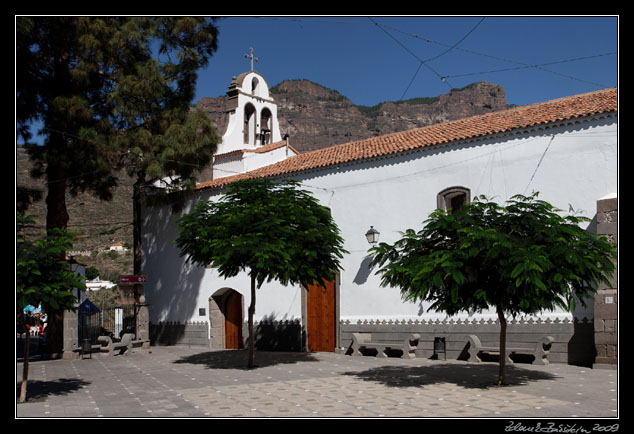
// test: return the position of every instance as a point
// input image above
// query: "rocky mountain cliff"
(316, 117)
(313, 116)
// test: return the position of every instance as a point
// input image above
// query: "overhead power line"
(424, 61)
(538, 66)
(457, 43)
(523, 65)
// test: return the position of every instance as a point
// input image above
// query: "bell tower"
(252, 113)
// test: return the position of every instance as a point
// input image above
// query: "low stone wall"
(275, 335)
(571, 343)
(194, 333)
(269, 335)
(573, 340)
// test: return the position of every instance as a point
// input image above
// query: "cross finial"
(252, 57)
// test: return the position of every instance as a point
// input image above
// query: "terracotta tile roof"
(259, 150)
(271, 147)
(527, 116)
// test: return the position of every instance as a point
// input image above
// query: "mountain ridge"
(315, 116)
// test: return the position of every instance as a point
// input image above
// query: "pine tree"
(112, 93)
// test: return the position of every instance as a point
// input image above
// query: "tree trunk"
(56, 212)
(502, 370)
(251, 312)
(25, 367)
(56, 218)
(136, 237)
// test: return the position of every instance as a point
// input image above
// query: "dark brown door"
(233, 322)
(320, 307)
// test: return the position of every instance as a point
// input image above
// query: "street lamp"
(372, 235)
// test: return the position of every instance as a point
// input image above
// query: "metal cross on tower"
(252, 58)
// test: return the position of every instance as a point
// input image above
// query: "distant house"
(97, 284)
(118, 247)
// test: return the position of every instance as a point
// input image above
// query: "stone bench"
(363, 341)
(539, 350)
(127, 343)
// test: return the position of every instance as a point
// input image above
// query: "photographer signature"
(552, 427)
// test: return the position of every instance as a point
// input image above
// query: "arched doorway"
(233, 321)
(226, 319)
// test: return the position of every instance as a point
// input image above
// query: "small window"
(453, 198)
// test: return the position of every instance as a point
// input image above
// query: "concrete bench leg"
(357, 342)
(381, 352)
(409, 346)
(474, 348)
(541, 354)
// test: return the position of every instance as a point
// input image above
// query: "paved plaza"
(184, 382)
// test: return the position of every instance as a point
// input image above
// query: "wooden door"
(320, 308)
(233, 322)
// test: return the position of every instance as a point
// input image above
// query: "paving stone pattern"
(183, 382)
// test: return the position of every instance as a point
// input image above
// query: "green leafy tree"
(522, 258)
(92, 273)
(271, 231)
(43, 278)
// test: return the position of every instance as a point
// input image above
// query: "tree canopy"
(522, 258)
(272, 231)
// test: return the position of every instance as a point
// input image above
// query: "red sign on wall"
(132, 280)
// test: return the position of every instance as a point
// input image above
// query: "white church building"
(565, 149)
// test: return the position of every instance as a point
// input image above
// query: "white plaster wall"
(573, 165)
(177, 289)
(255, 160)
(247, 161)
(228, 166)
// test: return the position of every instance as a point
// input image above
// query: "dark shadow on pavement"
(238, 359)
(481, 376)
(37, 390)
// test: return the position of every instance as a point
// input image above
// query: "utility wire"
(457, 43)
(423, 62)
(538, 66)
(451, 47)
(524, 65)
(440, 55)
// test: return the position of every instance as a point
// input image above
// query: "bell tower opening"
(266, 120)
(250, 126)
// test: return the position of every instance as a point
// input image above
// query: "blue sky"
(386, 58)
(372, 59)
